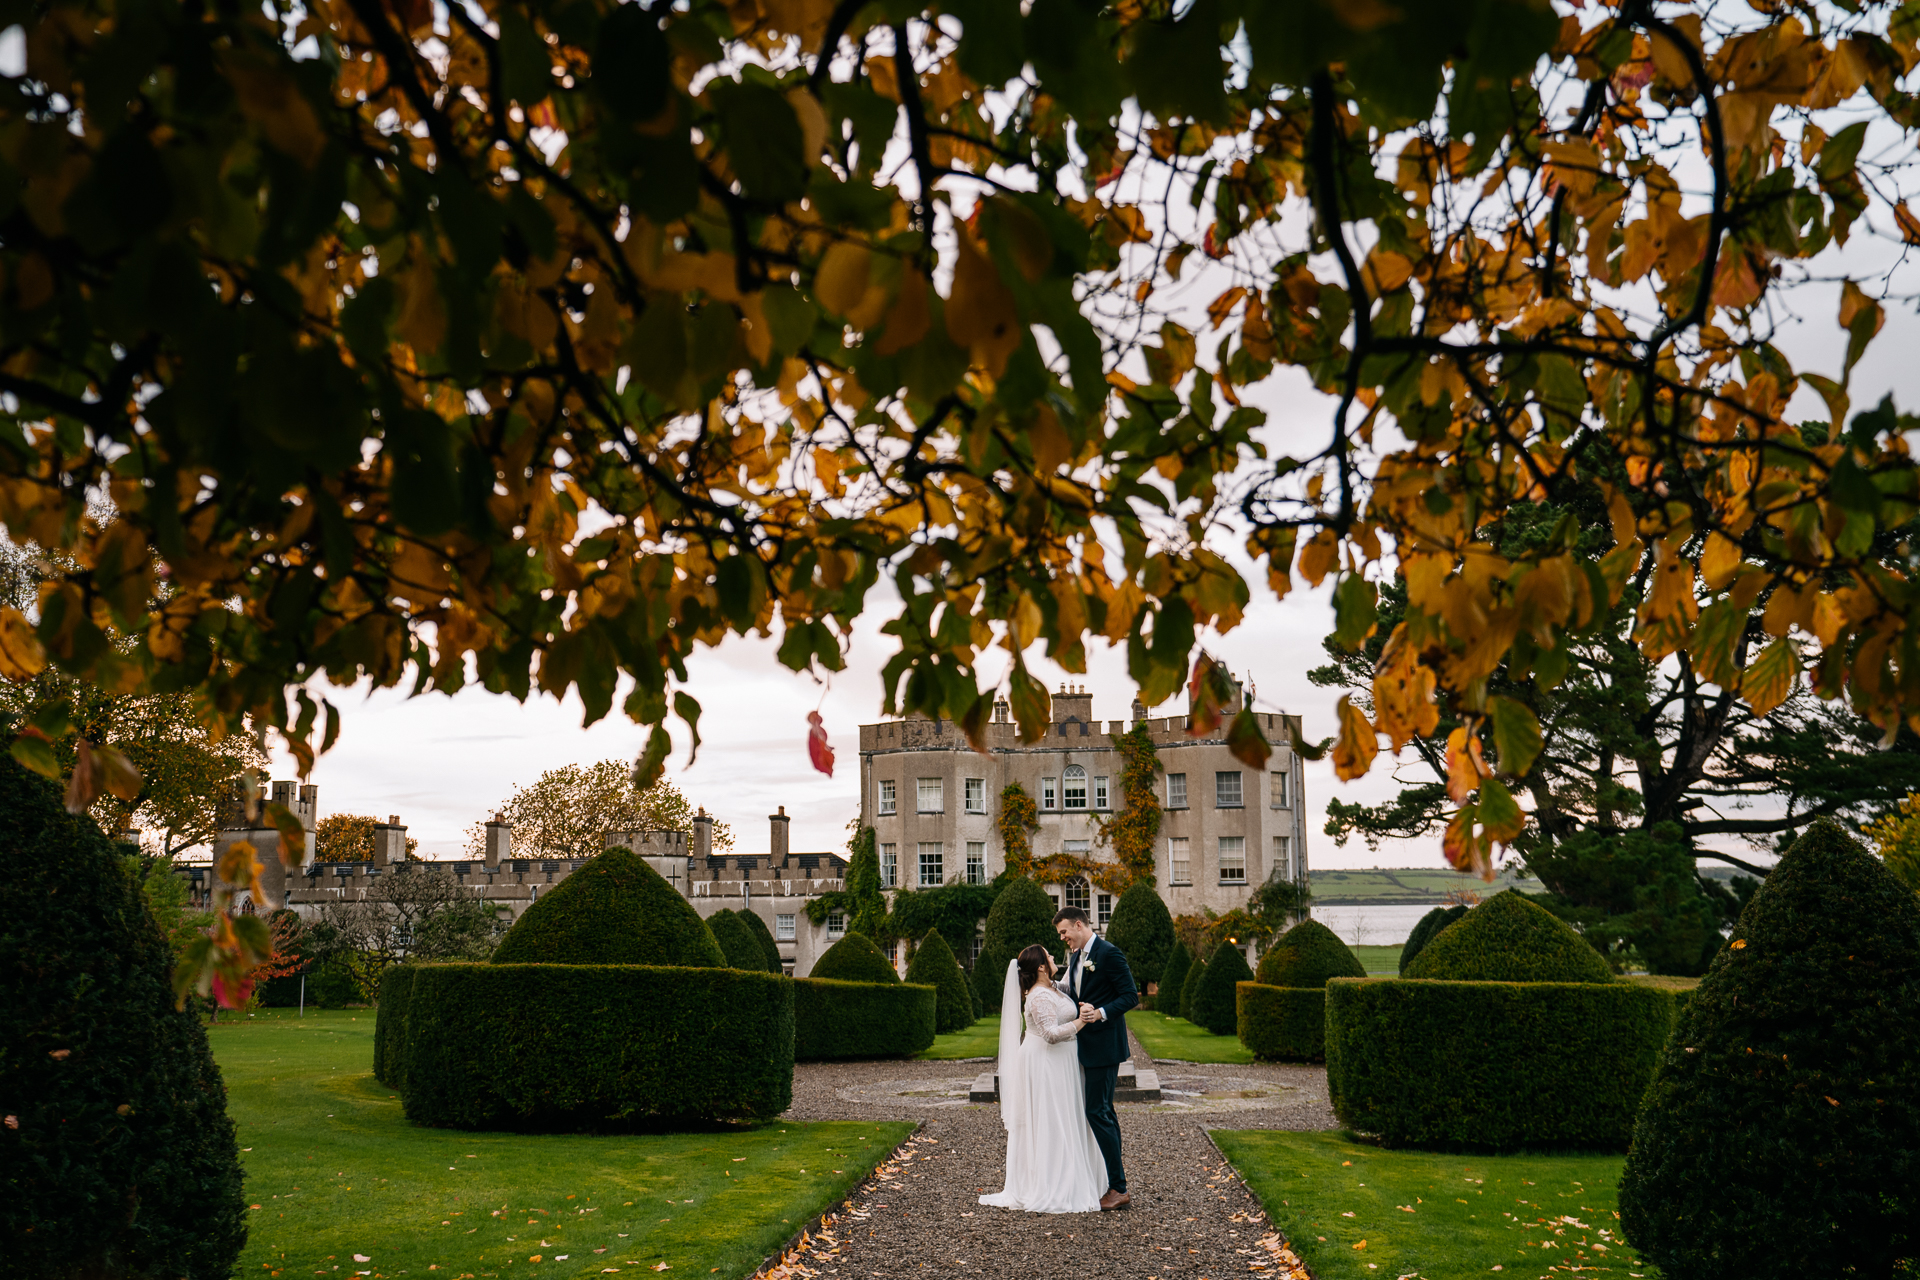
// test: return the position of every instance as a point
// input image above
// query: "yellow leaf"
(981, 315)
(841, 281)
(1719, 561)
(1465, 765)
(1353, 753)
(1769, 678)
(910, 317)
(1319, 556)
(423, 316)
(21, 655)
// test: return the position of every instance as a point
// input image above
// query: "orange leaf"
(1358, 744)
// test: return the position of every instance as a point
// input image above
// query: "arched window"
(1078, 893)
(1074, 786)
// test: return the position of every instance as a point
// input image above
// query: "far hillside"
(1401, 885)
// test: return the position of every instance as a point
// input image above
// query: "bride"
(1053, 1163)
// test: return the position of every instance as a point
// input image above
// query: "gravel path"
(920, 1214)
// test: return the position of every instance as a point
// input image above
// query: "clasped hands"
(1088, 1013)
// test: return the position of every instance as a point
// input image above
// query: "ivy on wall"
(1019, 819)
(1133, 831)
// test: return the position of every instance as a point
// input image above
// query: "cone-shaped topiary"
(737, 942)
(614, 910)
(768, 947)
(1216, 996)
(1425, 929)
(1781, 1134)
(854, 959)
(1172, 979)
(119, 1156)
(933, 965)
(1022, 914)
(1306, 956)
(986, 986)
(1189, 985)
(1143, 930)
(1509, 939)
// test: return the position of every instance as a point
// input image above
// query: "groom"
(1098, 978)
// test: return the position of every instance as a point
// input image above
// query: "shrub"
(1306, 956)
(1424, 930)
(933, 966)
(119, 1158)
(390, 1026)
(1509, 939)
(1781, 1135)
(1021, 916)
(737, 942)
(854, 959)
(553, 1047)
(768, 947)
(1214, 999)
(986, 986)
(1143, 930)
(1172, 979)
(1190, 987)
(1282, 1024)
(861, 1019)
(1492, 1065)
(614, 910)
(330, 985)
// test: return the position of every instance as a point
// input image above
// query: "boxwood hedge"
(1282, 1024)
(390, 1025)
(1509, 939)
(1306, 956)
(737, 941)
(564, 1047)
(1426, 929)
(854, 959)
(1212, 1003)
(614, 910)
(861, 1019)
(933, 965)
(1493, 1065)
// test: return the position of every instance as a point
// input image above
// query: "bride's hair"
(1030, 962)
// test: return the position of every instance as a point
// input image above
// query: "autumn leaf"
(1769, 678)
(1516, 735)
(1248, 744)
(819, 754)
(1355, 748)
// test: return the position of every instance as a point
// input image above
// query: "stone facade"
(934, 803)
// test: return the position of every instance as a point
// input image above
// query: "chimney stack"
(1000, 710)
(389, 842)
(702, 835)
(778, 848)
(499, 841)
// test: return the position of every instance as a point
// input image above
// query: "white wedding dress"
(1053, 1163)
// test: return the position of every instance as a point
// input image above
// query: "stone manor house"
(933, 803)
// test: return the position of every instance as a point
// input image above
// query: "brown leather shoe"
(1115, 1200)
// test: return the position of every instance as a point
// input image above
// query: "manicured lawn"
(1354, 1211)
(1379, 960)
(1182, 1041)
(981, 1040)
(343, 1186)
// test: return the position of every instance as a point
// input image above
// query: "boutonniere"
(1087, 964)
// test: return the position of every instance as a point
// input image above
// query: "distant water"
(1366, 926)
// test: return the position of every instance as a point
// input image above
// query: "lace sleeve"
(1043, 1019)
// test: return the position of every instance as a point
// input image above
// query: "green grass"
(1400, 885)
(1470, 1215)
(334, 1169)
(1182, 1041)
(1378, 960)
(981, 1040)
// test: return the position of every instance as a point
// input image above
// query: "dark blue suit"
(1101, 978)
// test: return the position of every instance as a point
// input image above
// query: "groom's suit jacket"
(1108, 986)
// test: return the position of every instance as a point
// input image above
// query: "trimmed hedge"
(1282, 1024)
(1493, 1065)
(1190, 986)
(614, 910)
(1167, 999)
(768, 947)
(390, 1025)
(737, 942)
(1143, 930)
(861, 1019)
(1781, 1136)
(1214, 996)
(933, 966)
(1424, 930)
(854, 959)
(1509, 939)
(118, 1159)
(552, 1047)
(1306, 956)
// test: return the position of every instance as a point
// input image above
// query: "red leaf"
(232, 993)
(817, 749)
